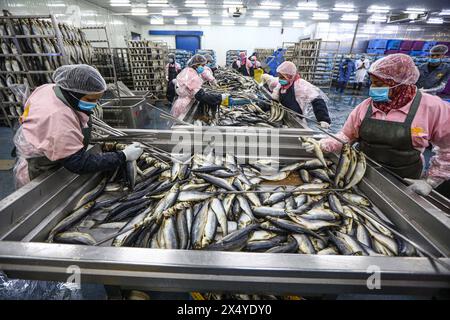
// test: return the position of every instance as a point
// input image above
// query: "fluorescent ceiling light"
(169, 12)
(414, 11)
(320, 16)
(195, 4)
(204, 22)
(435, 21)
(290, 15)
(180, 21)
(345, 7)
(225, 13)
(303, 5)
(445, 12)
(379, 9)
(270, 5)
(261, 14)
(158, 3)
(200, 13)
(228, 22)
(299, 25)
(232, 3)
(349, 17)
(120, 4)
(275, 24)
(252, 23)
(56, 5)
(157, 21)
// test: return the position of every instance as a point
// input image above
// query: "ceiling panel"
(216, 9)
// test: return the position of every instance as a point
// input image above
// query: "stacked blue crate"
(182, 57)
(393, 44)
(208, 51)
(275, 60)
(428, 45)
(377, 46)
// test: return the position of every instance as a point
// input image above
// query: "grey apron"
(390, 143)
(39, 165)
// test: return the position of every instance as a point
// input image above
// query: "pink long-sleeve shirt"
(430, 125)
(208, 76)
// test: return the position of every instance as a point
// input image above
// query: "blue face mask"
(283, 82)
(434, 60)
(379, 94)
(200, 69)
(86, 106)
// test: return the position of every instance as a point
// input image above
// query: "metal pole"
(354, 36)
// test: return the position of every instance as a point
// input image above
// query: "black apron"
(288, 100)
(390, 143)
(39, 165)
(170, 94)
(243, 69)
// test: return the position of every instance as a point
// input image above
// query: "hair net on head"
(253, 58)
(287, 68)
(79, 78)
(208, 57)
(171, 56)
(398, 67)
(196, 60)
(439, 49)
(242, 54)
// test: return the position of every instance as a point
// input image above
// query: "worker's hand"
(419, 186)
(309, 147)
(133, 151)
(324, 125)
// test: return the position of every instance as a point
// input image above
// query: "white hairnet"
(209, 57)
(439, 49)
(171, 55)
(397, 67)
(196, 60)
(79, 78)
(287, 68)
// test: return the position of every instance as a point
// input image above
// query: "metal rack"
(305, 57)
(148, 61)
(18, 66)
(325, 62)
(103, 58)
(263, 54)
(233, 55)
(123, 66)
(289, 53)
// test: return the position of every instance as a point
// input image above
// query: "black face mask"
(73, 99)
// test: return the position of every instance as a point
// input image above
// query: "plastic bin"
(375, 51)
(418, 53)
(406, 45)
(391, 51)
(377, 44)
(393, 44)
(418, 46)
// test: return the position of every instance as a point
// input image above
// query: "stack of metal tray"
(28, 215)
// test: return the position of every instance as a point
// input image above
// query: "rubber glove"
(423, 187)
(324, 125)
(226, 100)
(133, 151)
(309, 147)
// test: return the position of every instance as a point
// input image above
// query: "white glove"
(309, 147)
(133, 151)
(324, 125)
(419, 186)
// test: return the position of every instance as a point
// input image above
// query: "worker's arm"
(350, 131)
(320, 110)
(436, 89)
(212, 99)
(86, 162)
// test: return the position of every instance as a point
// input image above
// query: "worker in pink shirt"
(173, 68)
(397, 123)
(207, 75)
(243, 64)
(55, 127)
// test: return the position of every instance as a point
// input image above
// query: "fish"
(290, 246)
(311, 188)
(233, 241)
(131, 172)
(263, 245)
(219, 210)
(305, 245)
(92, 195)
(292, 227)
(218, 182)
(265, 211)
(360, 170)
(192, 195)
(343, 165)
(317, 149)
(75, 238)
(304, 175)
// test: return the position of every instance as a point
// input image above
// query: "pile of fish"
(211, 202)
(77, 50)
(260, 111)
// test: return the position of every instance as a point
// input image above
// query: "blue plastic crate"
(418, 53)
(428, 45)
(377, 44)
(375, 51)
(393, 44)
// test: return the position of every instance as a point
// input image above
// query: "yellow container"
(258, 74)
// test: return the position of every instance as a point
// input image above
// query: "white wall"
(78, 13)
(223, 38)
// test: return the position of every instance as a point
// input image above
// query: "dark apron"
(288, 100)
(170, 94)
(243, 70)
(390, 143)
(39, 165)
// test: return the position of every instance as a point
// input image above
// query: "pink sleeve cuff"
(331, 144)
